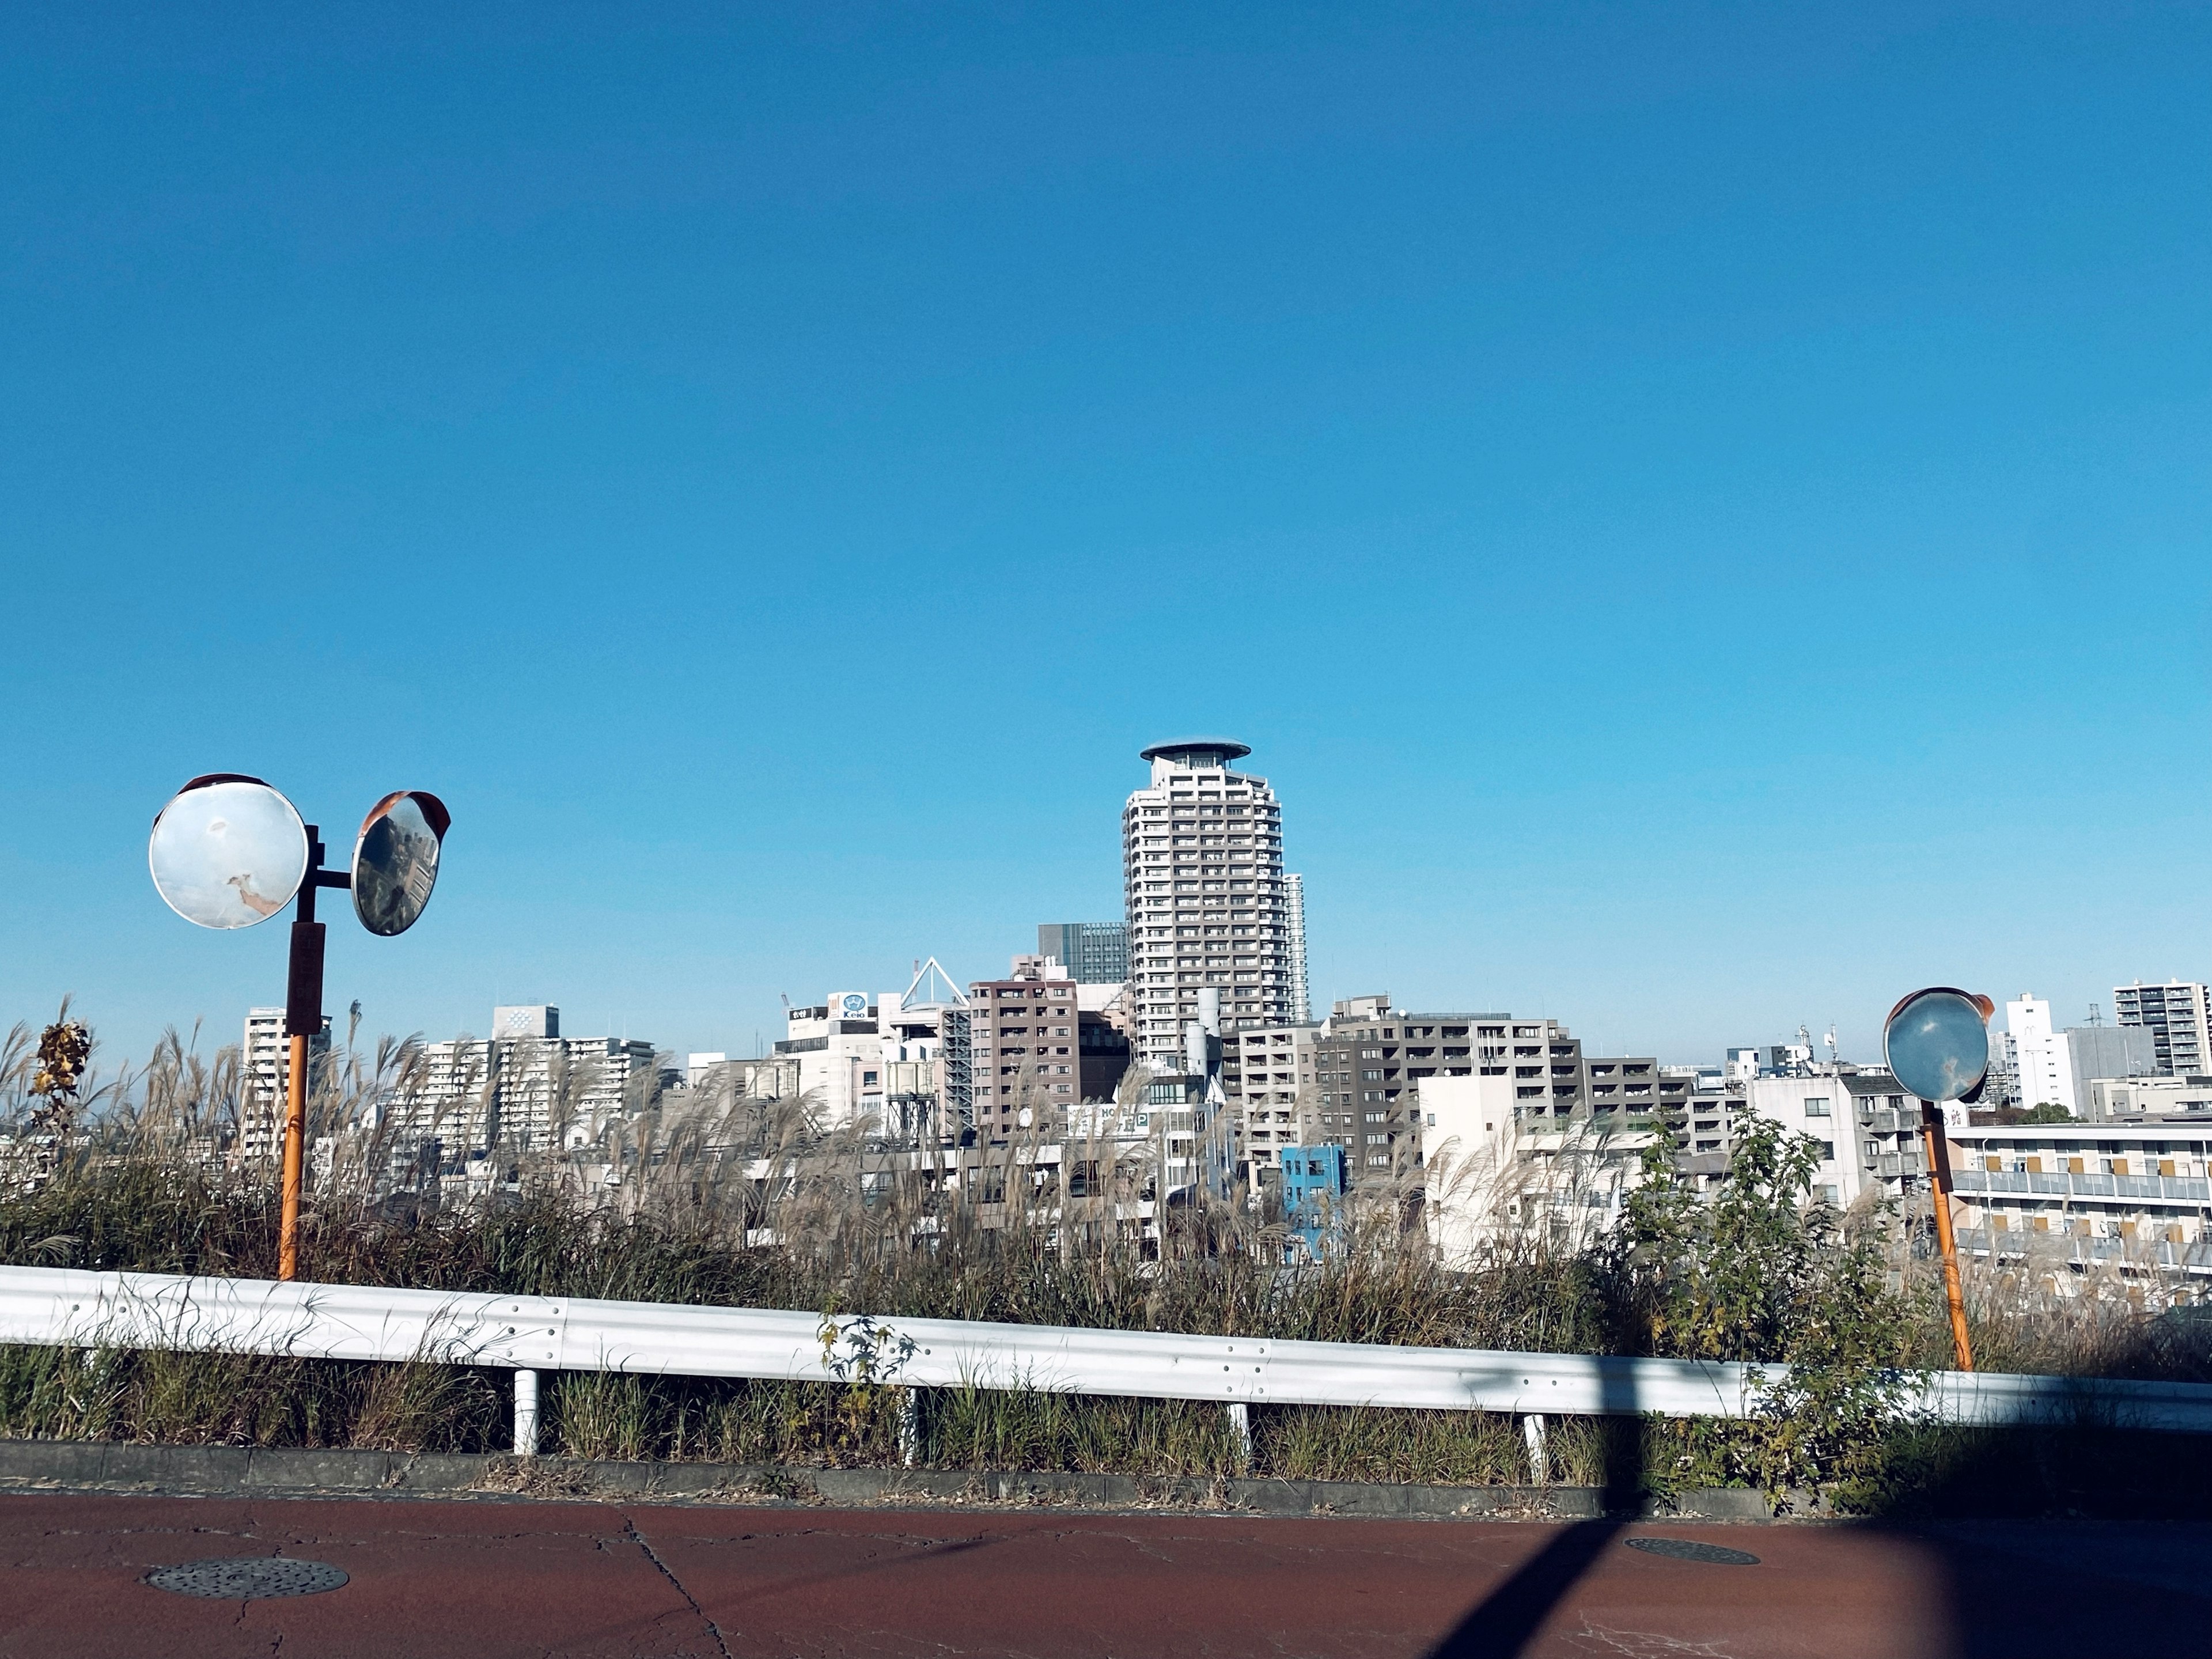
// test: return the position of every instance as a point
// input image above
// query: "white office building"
(2043, 1068)
(1202, 870)
(1491, 1171)
(838, 1044)
(2112, 1098)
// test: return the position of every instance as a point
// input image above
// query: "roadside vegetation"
(133, 1175)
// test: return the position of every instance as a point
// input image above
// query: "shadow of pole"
(1506, 1620)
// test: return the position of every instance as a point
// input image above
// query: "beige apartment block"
(1025, 1047)
(2133, 1196)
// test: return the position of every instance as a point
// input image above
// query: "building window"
(1817, 1106)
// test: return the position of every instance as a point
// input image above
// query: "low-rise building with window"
(1867, 1128)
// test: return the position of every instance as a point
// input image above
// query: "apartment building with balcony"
(1350, 1080)
(527, 1093)
(2179, 1018)
(2134, 1196)
(266, 1057)
(1267, 1079)
(1701, 1115)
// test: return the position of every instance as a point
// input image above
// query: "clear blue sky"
(1700, 511)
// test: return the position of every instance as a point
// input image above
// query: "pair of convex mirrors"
(228, 851)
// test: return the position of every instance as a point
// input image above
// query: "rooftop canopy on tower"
(1198, 753)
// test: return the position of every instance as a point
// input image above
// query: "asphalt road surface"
(489, 1580)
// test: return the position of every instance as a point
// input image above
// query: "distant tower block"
(1202, 863)
(1096, 952)
(535, 1019)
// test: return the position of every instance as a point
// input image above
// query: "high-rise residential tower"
(1202, 866)
(1294, 918)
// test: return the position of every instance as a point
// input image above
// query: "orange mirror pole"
(1939, 1187)
(295, 1132)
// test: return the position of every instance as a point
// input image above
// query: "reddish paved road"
(488, 1580)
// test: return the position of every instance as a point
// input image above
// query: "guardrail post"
(1240, 1425)
(910, 1425)
(525, 1413)
(1539, 1454)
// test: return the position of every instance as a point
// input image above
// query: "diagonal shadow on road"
(1502, 1625)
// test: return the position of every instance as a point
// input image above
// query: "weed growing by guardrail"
(1761, 1270)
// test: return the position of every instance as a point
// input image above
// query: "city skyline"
(1702, 516)
(753, 1034)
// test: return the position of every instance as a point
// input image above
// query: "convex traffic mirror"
(1937, 1043)
(395, 859)
(228, 852)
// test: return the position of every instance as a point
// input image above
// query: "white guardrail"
(66, 1307)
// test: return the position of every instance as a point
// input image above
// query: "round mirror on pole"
(1937, 1043)
(395, 861)
(227, 851)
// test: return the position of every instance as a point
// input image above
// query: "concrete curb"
(301, 1472)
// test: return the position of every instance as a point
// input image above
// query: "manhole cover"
(1689, 1549)
(243, 1578)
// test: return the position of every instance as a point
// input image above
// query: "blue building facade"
(1313, 1185)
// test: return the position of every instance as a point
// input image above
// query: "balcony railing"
(2168, 1189)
